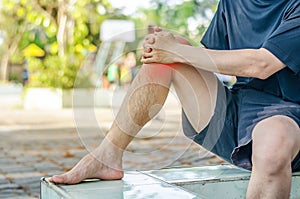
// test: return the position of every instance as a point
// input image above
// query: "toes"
(58, 179)
(63, 179)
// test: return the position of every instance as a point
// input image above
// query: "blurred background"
(64, 70)
(44, 43)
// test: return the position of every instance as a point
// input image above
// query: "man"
(255, 125)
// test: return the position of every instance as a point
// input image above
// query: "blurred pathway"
(42, 143)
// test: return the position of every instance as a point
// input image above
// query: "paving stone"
(4, 181)
(27, 181)
(6, 161)
(21, 175)
(17, 168)
(13, 193)
(28, 159)
(2, 177)
(9, 186)
(18, 191)
(21, 197)
(34, 191)
(45, 166)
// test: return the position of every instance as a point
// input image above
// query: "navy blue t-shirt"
(253, 24)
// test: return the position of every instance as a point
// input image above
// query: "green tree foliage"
(187, 17)
(68, 23)
(67, 30)
(53, 72)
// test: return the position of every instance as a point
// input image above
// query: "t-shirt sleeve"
(284, 42)
(216, 34)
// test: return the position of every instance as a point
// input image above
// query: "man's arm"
(258, 63)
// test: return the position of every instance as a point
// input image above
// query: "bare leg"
(276, 142)
(149, 89)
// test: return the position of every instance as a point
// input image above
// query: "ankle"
(118, 139)
(108, 148)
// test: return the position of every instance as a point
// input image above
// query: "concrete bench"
(219, 181)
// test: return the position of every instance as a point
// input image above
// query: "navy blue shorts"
(229, 133)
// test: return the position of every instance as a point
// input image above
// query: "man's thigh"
(219, 136)
(197, 91)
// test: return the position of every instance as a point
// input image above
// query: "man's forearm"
(258, 63)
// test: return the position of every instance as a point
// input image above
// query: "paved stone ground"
(42, 143)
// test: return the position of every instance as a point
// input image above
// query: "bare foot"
(104, 163)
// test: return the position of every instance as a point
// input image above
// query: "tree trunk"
(61, 22)
(64, 34)
(4, 65)
(10, 47)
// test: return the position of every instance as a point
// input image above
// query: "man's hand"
(160, 47)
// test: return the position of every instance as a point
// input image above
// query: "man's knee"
(154, 73)
(275, 143)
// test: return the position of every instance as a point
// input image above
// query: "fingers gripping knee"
(182, 40)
